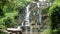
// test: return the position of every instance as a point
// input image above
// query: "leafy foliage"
(54, 17)
(8, 10)
(47, 31)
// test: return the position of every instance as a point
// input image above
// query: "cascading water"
(27, 22)
(39, 18)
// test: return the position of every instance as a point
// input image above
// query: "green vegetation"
(47, 31)
(54, 17)
(10, 9)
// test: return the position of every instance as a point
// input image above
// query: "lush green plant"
(54, 17)
(8, 10)
(47, 31)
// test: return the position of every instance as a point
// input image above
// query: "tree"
(54, 17)
(9, 9)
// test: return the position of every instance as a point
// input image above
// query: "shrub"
(47, 31)
(54, 17)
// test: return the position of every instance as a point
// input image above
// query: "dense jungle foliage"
(54, 17)
(9, 9)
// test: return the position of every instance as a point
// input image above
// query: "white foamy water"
(27, 22)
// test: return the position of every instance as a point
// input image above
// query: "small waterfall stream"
(27, 23)
(27, 20)
(39, 19)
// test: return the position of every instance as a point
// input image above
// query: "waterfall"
(39, 18)
(39, 14)
(27, 20)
